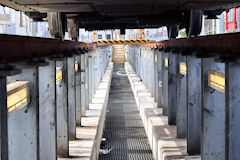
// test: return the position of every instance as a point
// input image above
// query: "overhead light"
(216, 80)
(76, 66)
(17, 95)
(183, 68)
(156, 58)
(59, 75)
(166, 62)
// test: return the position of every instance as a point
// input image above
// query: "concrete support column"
(78, 89)
(62, 109)
(86, 81)
(172, 89)
(4, 118)
(155, 74)
(23, 123)
(83, 90)
(71, 98)
(90, 80)
(160, 81)
(165, 62)
(232, 91)
(47, 111)
(213, 113)
(181, 97)
(194, 104)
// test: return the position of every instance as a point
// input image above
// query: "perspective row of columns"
(59, 95)
(200, 95)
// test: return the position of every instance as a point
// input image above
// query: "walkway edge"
(101, 97)
(162, 137)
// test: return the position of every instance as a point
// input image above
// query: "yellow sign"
(17, 95)
(156, 58)
(59, 74)
(216, 80)
(183, 68)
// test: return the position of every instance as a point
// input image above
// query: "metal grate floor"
(124, 131)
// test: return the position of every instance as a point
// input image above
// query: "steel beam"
(222, 44)
(213, 114)
(35, 47)
(47, 112)
(194, 104)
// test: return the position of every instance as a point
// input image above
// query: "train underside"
(70, 15)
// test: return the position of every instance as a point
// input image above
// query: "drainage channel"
(124, 131)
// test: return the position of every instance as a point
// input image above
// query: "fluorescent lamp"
(183, 68)
(59, 74)
(216, 80)
(17, 95)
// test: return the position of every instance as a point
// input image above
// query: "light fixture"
(166, 62)
(59, 74)
(76, 66)
(17, 95)
(216, 80)
(183, 68)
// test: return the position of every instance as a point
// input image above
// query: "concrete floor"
(124, 131)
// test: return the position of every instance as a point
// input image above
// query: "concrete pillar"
(181, 97)
(4, 118)
(90, 80)
(83, 79)
(62, 109)
(23, 124)
(160, 81)
(213, 114)
(155, 74)
(71, 98)
(78, 89)
(172, 88)
(159, 78)
(194, 104)
(47, 111)
(86, 82)
(232, 91)
(165, 62)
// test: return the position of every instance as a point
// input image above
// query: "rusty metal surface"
(19, 48)
(225, 45)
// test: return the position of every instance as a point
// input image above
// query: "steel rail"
(19, 48)
(223, 45)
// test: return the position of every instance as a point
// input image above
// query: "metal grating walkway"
(124, 131)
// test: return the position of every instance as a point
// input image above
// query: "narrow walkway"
(124, 131)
